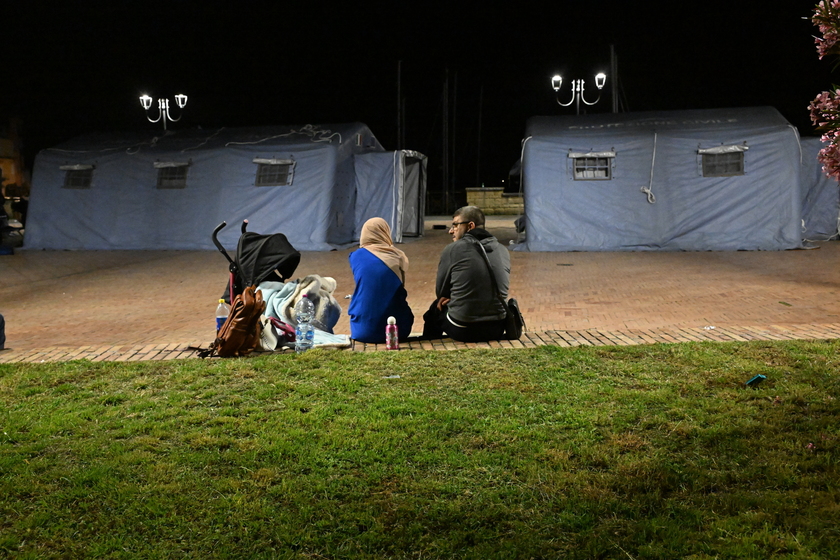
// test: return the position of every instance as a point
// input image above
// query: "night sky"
(77, 67)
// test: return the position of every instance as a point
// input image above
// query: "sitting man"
(467, 307)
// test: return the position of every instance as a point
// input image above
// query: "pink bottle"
(392, 337)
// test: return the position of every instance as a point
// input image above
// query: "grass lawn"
(656, 451)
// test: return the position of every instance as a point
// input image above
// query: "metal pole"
(614, 74)
(478, 141)
(446, 142)
(399, 105)
(402, 123)
(453, 163)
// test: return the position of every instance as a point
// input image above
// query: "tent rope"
(648, 190)
(128, 149)
(315, 134)
(203, 143)
(522, 167)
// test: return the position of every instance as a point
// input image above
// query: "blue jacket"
(379, 294)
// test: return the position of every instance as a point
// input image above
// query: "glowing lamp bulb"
(600, 79)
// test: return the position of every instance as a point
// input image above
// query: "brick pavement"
(152, 305)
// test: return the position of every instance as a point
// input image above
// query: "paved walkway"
(153, 305)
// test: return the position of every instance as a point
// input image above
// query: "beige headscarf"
(376, 238)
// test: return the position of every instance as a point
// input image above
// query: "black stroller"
(258, 258)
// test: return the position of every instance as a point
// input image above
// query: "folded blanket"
(328, 340)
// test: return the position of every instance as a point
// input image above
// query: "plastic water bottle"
(222, 312)
(304, 333)
(392, 337)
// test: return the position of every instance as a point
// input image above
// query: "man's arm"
(443, 282)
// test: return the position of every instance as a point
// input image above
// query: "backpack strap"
(492, 276)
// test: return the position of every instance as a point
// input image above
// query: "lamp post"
(163, 108)
(577, 90)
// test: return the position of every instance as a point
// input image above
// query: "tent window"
(174, 177)
(728, 164)
(78, 178)
(592, 168)
(274, 173)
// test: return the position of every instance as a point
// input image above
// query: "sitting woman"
(379, 271)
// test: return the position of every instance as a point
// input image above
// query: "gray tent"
(820, 195)
(169, 190)
(717, 179)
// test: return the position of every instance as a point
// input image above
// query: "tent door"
(414, 196)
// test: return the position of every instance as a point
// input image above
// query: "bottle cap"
(221, 300)
(392, 321)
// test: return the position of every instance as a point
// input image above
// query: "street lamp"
(163, 108)
(577, 90)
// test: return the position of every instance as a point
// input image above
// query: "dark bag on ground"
(514, 322)
(240, 334)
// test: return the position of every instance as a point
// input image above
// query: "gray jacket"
(463, 278)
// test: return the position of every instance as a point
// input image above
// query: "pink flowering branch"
(827, 18)
(825, 109)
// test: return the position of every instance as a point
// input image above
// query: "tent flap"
(820, 196)
(392, 186)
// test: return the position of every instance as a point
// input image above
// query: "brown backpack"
(240, 334)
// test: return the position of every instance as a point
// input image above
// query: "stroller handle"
(218, 244)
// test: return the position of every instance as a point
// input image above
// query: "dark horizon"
(76, 69)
